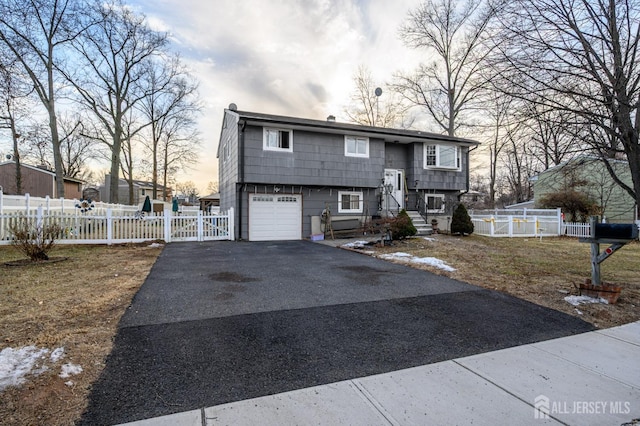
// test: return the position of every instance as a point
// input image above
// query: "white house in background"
(140, 190)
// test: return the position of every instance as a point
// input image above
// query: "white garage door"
(275, 217)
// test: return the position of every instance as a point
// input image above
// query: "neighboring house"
(210, 202)
(140, 190)
(37, 181)
(91, 193)
(589, 175)
(281, 173)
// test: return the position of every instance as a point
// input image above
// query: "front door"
(394, 189)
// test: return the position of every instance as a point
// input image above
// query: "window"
(278, 140)
(435, 203)
(442, 156)
(356, 146)
(349, 202)
(226, 151)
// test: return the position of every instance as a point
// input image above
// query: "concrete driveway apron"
(218, 322)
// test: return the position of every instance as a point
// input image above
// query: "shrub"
(577, 206)
(35, 241)
(402, 226)
(461, 221)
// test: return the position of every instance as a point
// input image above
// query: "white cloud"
(292, 57)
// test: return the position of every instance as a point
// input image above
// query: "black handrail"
(421, 206)
(397, 205)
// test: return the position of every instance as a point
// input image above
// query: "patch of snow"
(369, 252)
(15, 364)
(70, 369)
(578, 311)
(431, 261)
(154, 245)
(429, 239)
(356, 244)
(69, 383)
(57, 354)
(581, 300)
(397, 254)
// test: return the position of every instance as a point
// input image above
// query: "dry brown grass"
(75, 304)
(540, 271)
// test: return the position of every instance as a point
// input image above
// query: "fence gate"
(199, 228)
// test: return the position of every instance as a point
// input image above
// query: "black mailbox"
(616, 231)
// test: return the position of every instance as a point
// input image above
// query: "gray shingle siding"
(317, 159)
(433, 179)
(317, 167)
(228, 164)
(314, 201)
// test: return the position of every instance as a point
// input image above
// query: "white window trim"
(426, 199)
(438, 165)
(351, 154)
(270, 148)
(360, 203)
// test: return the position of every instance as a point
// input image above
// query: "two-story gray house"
(281, 173)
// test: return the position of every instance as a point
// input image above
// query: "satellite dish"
(9, 156)
(378, 91)
(233, 107)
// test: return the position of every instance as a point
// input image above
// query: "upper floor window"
(278, 140)
(350, 202)
(442, 156)
(355, 146)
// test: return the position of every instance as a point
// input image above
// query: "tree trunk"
(57, 158)
(16, 154)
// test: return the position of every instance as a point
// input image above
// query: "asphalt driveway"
(219, 322)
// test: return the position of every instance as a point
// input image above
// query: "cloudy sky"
(289, 57)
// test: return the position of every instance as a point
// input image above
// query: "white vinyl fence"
(517, 223)
(113, 227)
(29, 205)
(526, 223)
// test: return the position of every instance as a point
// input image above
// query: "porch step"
(422, 227)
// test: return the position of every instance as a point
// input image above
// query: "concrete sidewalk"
(587, 379)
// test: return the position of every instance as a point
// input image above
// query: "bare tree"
(498, 124)
(552, 133)
(113, 52)
(213, 187)
(368, 106)
(452, 32)
(171, 95)
(579, 57)
(188, 189)
(518, 166)
(34, 31)
(75, 148)
(179, 148)
(13, 100)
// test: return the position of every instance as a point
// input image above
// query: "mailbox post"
(616, 234)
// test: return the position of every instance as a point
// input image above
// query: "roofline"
(388, 134)
(582, 158)
(28, 166)
(47, 171)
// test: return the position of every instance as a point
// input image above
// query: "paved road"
(226, 321)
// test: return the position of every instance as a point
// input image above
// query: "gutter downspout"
(468, 172)
(241, 125)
